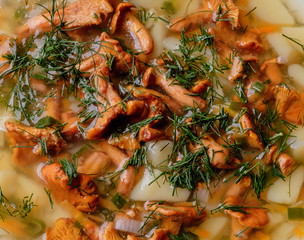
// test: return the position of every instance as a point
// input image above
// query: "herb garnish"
(70, 169)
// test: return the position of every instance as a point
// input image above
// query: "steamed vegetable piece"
(296, 7)
(282, 47)
(272, 11)
(295, 35)
(297, 145)
(158, 152)
(155, 188)
(287, 192)
(296, 71)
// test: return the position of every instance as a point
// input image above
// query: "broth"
(227, 166)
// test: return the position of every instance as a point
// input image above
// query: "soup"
(152, 119)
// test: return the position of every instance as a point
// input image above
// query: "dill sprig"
(193, 168)
(135, 127)
(189, 62)
(9, 208)
(144, 16)
(70, 168)
(236, 208)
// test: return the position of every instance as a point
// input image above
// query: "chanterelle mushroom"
(79, 14)
(125, 22)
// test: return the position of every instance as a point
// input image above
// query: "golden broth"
(17, 183)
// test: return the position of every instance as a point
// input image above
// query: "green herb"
(169, 7)
(11, 209)
(193, 168)
(184, 236)
(235, 106)
(240, 234)
(221, 16)
(251, 11)
(236, 208)
(258, 87)
(295, 41)
(46, 122)
(139, 158)
(48, 193)
(296, 213)
(189, 63)
(135, 128)
(144, 16)
(96, 16)
(35, 227)
(239, 90)
(118, 200)
(70, 169)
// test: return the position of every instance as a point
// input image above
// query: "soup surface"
(160, 120)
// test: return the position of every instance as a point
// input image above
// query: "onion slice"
(127, 225)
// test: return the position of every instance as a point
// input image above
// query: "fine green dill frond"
(296, 41)
(135, 127)
(237, 208)
(191, 61)
(144, 16)
(70, 168)
(21, 210)
(193, 168)
(184, 236)
(48, 193)
(239, 90)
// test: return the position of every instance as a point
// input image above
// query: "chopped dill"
(70, 168)
(48, 193)
(11, 209)
(190, 61)
(144, 16)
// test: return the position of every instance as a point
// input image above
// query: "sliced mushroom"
(290, 104)
(109, 48)
(143, 93)
(110, 106)
(79, 14)
(180, 94)
(284, 161)
(250, 43)
(65, 229)
(34, 136)
(252, 139)
(272, 70)
(125, 22)
(82, 192)
(251, 215)
(188, 215)
(210, 11)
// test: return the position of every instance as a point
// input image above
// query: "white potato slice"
(171, 43)
(297, 144)
(159, 190)
(296, 7)
(158, 152)
(283, 231)
(272, 11)
(27, 186)
(282, 47)
(296, 71)
(216, 226)
(296, 33)
(287, 192)
(158, 33)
